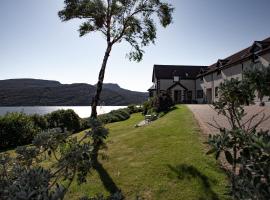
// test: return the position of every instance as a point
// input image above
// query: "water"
(82, 111)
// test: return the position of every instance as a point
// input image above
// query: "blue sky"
(34, 43)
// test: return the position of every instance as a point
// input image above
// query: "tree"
(118, 20)
(245, 148)
(259, 78)
(25, 176)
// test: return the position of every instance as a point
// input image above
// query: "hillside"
(34, 92)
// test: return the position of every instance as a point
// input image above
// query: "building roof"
(184, 71)
(152, 88)
(239, 57)
(175, 84)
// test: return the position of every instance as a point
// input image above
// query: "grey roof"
(238, 57)
(184, 71)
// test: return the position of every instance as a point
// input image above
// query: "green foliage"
(147, 106)
(134, 108)
(259, 80)
(129, 20)
(40, 122)
(65, 119)
(24, 177)
(253, 181)
(115, 116)
(16, 129)
(244, 147)
(234, 94)
(116, 196)
(161, 103)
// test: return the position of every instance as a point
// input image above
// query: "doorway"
(177, 96)
(189, 96)
(209, 95)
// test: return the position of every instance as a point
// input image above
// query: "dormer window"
(221, 63)
(176, 79)
(201, 71)
(255, 50)
(255, 58)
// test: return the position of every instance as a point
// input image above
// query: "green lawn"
(165, 160)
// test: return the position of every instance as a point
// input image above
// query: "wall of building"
(189, 84)
(213, 80)
(200, 86)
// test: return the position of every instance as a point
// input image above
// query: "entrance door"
(209, 95)
(177, 96)
(189, 96)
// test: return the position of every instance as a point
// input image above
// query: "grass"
(165, 160)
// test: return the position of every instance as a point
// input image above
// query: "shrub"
(64, 119)
(84, 124)
(161, 103)
(245, 148)
(147, 105)
(115, 116)
(259, 79)
(134, 108)
(16, 129)
(40, 122)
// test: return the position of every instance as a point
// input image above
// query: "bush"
(134, 108)
(246, 149)
(40, 122)
(147, 105)
(64, 119)
(84, 124)
(16, 129)
(161, 103)
(115, 116)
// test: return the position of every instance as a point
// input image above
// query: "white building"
(199, 84)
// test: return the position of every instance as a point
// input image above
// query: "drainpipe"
(195, 94)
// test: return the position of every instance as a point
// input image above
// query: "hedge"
(18, 129)
(115, 116)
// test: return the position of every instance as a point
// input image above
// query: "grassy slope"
(165, 160)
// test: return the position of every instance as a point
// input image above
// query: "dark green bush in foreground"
(16, 129)
(246, 149)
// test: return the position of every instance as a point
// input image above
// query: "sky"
(34, 43)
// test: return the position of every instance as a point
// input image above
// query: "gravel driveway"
(205, 114)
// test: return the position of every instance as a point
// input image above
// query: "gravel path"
(205, 114)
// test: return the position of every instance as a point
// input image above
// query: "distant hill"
(35, 92)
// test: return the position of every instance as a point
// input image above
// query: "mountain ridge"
(39, 92)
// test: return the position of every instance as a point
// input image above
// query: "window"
(218, 72)
(176, 78)
(255, 58)
(199, 94)
(216, 92)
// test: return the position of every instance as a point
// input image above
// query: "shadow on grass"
(189, 172)
(106, 179)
